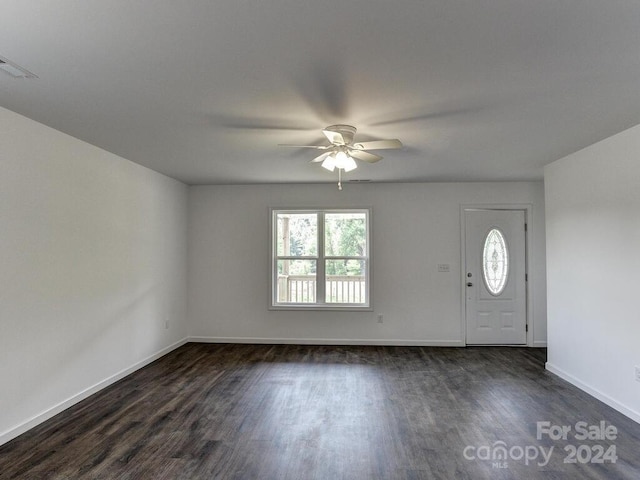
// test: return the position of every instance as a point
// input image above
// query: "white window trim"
(320, 305)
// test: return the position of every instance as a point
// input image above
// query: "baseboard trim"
(329, 341)
(594, 392)
(540, 344)
(14, 432)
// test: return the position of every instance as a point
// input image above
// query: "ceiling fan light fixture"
(341, 161)
(344, 161)
(342, 153)
(329, 163)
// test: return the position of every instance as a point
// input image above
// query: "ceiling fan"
(342, 150)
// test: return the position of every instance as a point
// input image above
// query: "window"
(320, 258)
(495, 262)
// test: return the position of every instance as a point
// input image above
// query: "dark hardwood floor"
(328, 412)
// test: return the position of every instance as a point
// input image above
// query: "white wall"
(415, 228)
(92, 264)
(593, 260)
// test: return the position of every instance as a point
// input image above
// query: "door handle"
(469, 284)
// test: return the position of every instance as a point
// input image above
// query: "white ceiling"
(204, 90)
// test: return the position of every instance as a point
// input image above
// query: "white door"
(495, 277)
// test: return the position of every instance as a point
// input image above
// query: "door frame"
(528, 217)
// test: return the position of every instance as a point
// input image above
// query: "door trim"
(528, 218)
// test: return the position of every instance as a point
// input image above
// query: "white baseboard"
(540, 344)
(50, 412)
(329, 341)
(604, 398)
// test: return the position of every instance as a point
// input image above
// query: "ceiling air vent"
(14, 70)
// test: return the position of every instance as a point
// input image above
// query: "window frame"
(320, 258)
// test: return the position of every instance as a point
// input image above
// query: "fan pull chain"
(339, 179)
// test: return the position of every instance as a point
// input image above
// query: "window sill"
(322, 308)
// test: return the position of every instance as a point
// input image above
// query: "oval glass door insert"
(495, 262)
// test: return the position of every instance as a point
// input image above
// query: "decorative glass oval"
(495, 262)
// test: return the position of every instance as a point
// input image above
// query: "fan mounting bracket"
(347, 132)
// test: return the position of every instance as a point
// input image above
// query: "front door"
(495, 277)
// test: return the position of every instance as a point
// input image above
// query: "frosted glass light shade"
(349, 164)
(329, 163)
(341, 161)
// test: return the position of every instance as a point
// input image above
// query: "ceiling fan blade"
(365, 156)
(378, 144)
(321, 158)
(334, 137)
(318, 147)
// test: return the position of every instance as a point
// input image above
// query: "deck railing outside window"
(339, 289)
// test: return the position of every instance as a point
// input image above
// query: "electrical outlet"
(380, 319)
(637, 373)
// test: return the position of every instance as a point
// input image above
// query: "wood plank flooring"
(325, 412)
